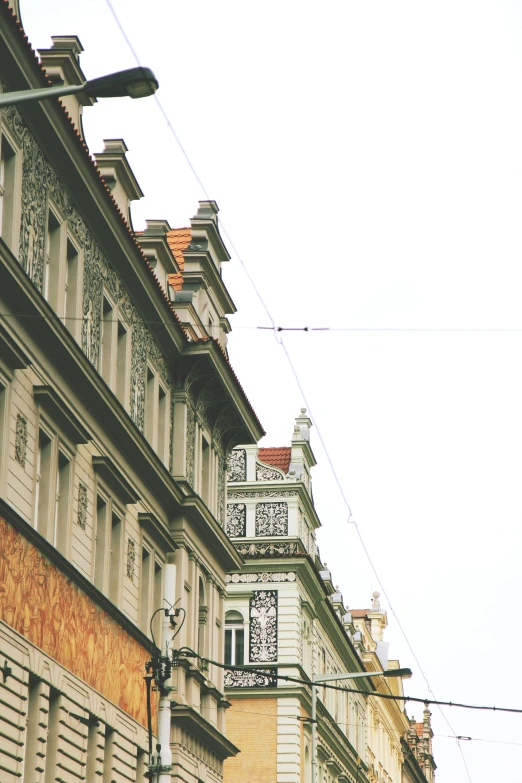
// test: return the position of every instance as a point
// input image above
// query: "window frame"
(110, 581)
(10, 234)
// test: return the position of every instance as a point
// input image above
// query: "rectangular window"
(100, 547)
(63, 492)
(114, 575)
(121, 364)
(33, 720)
(234, 646)
(158, 601)
(51, 284)
(7, 186)
(52, 736)
(145, 590)
(108, 756)
(70, 304)
(163, 425)
(107, 330)
(205, 471)
(43, 484)
(150, 407)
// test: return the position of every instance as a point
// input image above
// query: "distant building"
(284, 616)
(419, 765)
(115, 426)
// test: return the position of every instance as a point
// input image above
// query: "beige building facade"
(118, 408)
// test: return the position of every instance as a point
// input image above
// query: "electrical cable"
(280, 342)
(187, 652)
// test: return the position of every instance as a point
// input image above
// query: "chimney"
(118, 175)
(62, 65)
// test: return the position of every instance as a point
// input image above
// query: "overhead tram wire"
(279, 340)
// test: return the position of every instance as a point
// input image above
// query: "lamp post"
(317, 680)
(133, 82)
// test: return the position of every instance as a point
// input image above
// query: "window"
(107, 347)
(234, 639)
(53, 241)
(71, 293)
(202, 618)
(206, 454)
(7, 190)
(108, 756)
(53, 720)
(157, 415)
(151, 592)
(53, 489)
(108, 548)
(121, 363)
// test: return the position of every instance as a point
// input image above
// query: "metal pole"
(39, 94)
(314, 732)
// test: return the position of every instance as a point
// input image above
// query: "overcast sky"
(367, 161)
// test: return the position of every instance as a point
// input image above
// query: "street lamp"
(316, 680)
(133, 82)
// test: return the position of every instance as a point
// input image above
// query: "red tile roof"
(359, 612)
(179, 240)
(419, 728)
(277, 457)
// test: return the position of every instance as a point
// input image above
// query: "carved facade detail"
(261, 678)
(236, 519)
(270, 549)
(265, 473)
(21, 439)
(221, 489)
(236, 465)
(263, 626)
(287, 576)
(81, 517)
(271, 519)
(191, 442)
(233, 494)
(131, 558)
(40, 187)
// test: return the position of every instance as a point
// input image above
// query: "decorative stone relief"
(270, 549)
(233, 494)
(221, 489)
(131, 558)
(39, 184)
(263, 626)
(236, 519)
(191, 442)
(262, 678)
(81, 517)
(21, 439)
(264, 473)
(271, 519)
(236, 465)
(289, 576)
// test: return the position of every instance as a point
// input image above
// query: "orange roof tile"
(277, 457)
(176, 281)
(179, 240)
(419, 728)
(359, 612)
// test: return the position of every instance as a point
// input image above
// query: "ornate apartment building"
(284, 616)
(118, 408)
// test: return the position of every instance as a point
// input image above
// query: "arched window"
(234, 639)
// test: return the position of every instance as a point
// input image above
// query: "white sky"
(367, 162)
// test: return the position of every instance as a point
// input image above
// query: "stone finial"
(207, 210)
(302, 426)
(376, 606)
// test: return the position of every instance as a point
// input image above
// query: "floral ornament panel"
(21, 439)
(261, 678)
(270, 549)
(236, 465)
(131, 558)
(236, 519)
(81, 519)
(263, 626)
(264, 473)
(271, 519)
